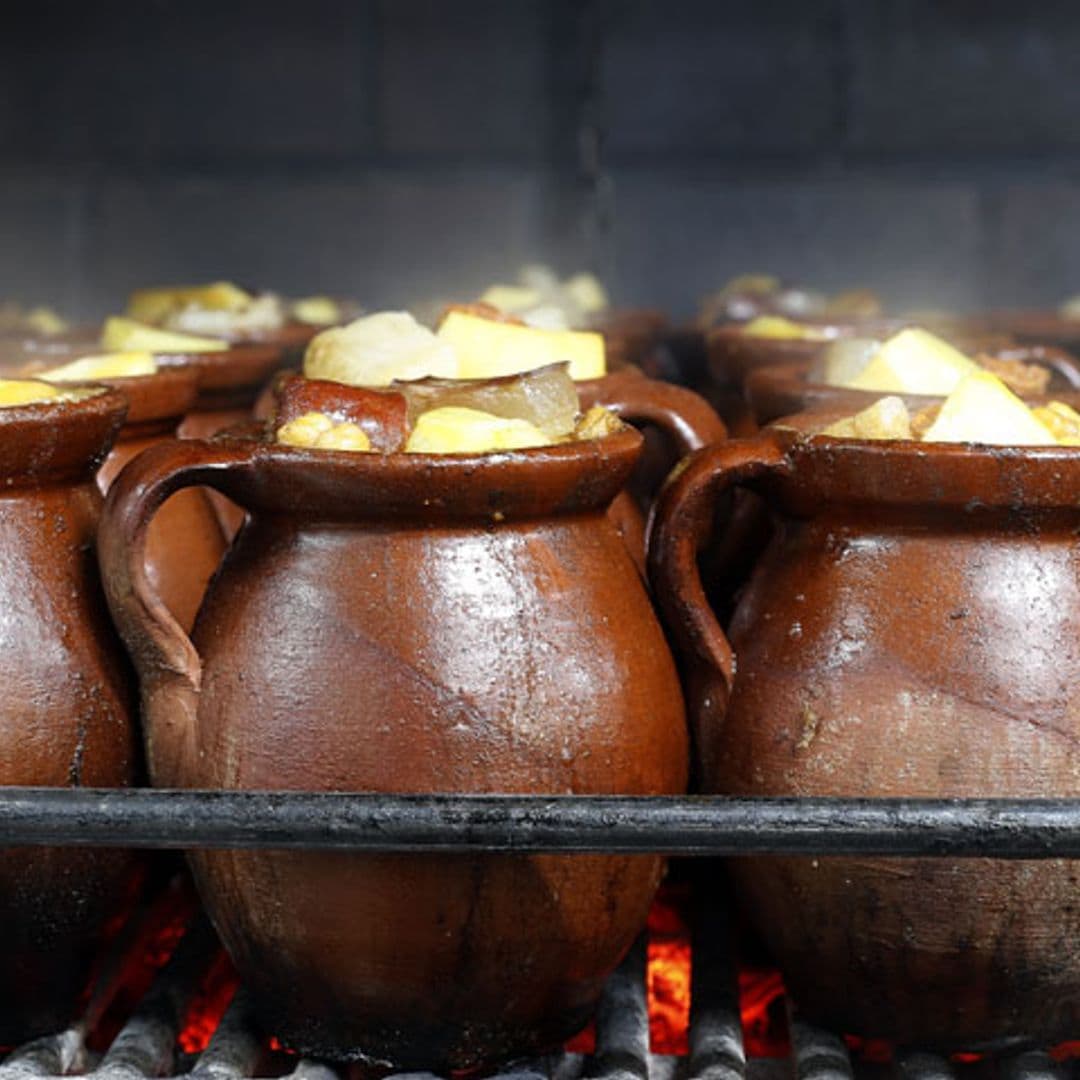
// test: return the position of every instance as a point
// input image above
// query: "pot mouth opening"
(336, 485)
(925, 478)
(59, 440)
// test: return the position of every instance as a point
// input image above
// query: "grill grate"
(146, 1045)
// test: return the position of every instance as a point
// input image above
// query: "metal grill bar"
(922, 1066)
(999, 828)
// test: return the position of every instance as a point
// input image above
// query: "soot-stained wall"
(397, 149)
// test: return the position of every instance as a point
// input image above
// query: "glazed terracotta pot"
(1033, 326)
(185, 541)
(913, 629)
(733, 354)
(777, 390)
(629, 334)
(409, 623)
(684, 420)
(68, 714)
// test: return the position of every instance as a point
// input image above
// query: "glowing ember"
(1065, 1051)
(208, 1006)
(872, 1051)
(669, 996)
(761, 996)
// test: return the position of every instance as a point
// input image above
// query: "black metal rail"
(999, 828)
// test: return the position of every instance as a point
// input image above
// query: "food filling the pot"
(117, 365)
(982, 409)
(480, 383)
(780, 329)
(122, 334)
(914, 361)
(539, 298)
(15, 392)
(220, 309)
(35, 321)
(749, 296)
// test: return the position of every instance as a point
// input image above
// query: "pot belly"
(455, 665)
(425, 961)
(912, 667)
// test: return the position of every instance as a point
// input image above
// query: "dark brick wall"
(401, 148)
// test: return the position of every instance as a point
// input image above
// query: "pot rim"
(904, 474)
(59, 440)
(567, 478)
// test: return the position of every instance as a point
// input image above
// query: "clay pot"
(733, 354)
(409, 623)
(912, 630)
(291, 340)
(677, 421)
(629, 334)
(1032, 327)
(185, 542)
(68, 714)
(777, 390)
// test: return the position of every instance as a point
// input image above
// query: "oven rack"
(671, 825)
(146, 1046)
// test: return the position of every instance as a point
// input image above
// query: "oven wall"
(398, 149)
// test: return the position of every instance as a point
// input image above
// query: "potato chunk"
(1063, 422)
(317, 431)
(128, 335)
(914, 361)
(982, 409)
(885, 419)
(379, 349)
(488, 349)
(454, 430)
(25, 392)
(109, 366)
(153, 305)
(381, 414)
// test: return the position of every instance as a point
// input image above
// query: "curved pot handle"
(685, 416)
(680, 524)
(168, 666)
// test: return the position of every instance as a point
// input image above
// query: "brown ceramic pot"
(292, 339)
(912, 630)
(777, 390)
(185, 541)
(629, 334)
(733, 354)
(684, 421)
(68, 715)
(410, 623)
(1033, 326)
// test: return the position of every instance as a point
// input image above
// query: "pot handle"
(686, 417)
(165, 659)
(680, 524)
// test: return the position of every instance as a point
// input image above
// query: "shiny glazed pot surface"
(913, 629)
(68, 716)
(407, 623)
